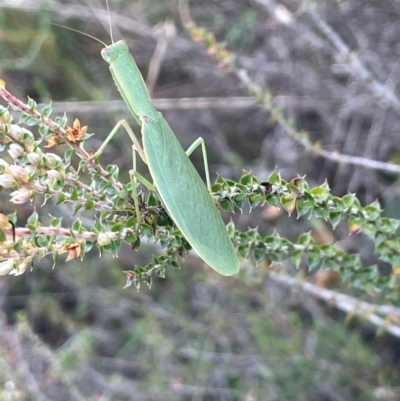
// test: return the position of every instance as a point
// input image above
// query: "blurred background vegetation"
(72, 333)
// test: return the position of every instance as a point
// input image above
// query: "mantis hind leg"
(200, 142)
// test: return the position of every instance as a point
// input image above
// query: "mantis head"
(112, 52)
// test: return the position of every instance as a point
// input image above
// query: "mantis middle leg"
(200, 142)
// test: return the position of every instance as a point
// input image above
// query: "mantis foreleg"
(131, 134)
(133, 174)
(138, 148)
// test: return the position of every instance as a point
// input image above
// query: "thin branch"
(83, 13)
(346, 303)
(268, 103)
(184, 103)
(352, 61)
(359, 161)
(165, 35)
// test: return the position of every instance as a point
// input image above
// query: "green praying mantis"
(182, 191)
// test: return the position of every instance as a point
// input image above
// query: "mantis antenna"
(82, 33)
(109, 22)
(90, 36)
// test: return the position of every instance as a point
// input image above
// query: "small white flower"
(52, 159)
(21, 267)
(6, 166)
(29, 139)
(6, 266)
(16, 132)
(7, 181)
(30, 169)
(15, 150)
(21, 135)
(52, 177)
(5, 116)
(55, 175)
(35, 158)
(19, 172)
(5, 120)
(103, 239)
(20, 196)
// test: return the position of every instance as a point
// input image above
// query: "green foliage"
(90, 187)
(96, 191)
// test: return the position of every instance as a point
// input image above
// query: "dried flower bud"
(103, 239)
(20, 196)
(15, 150)
(7, 181)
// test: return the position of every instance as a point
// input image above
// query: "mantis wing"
(186, 197)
